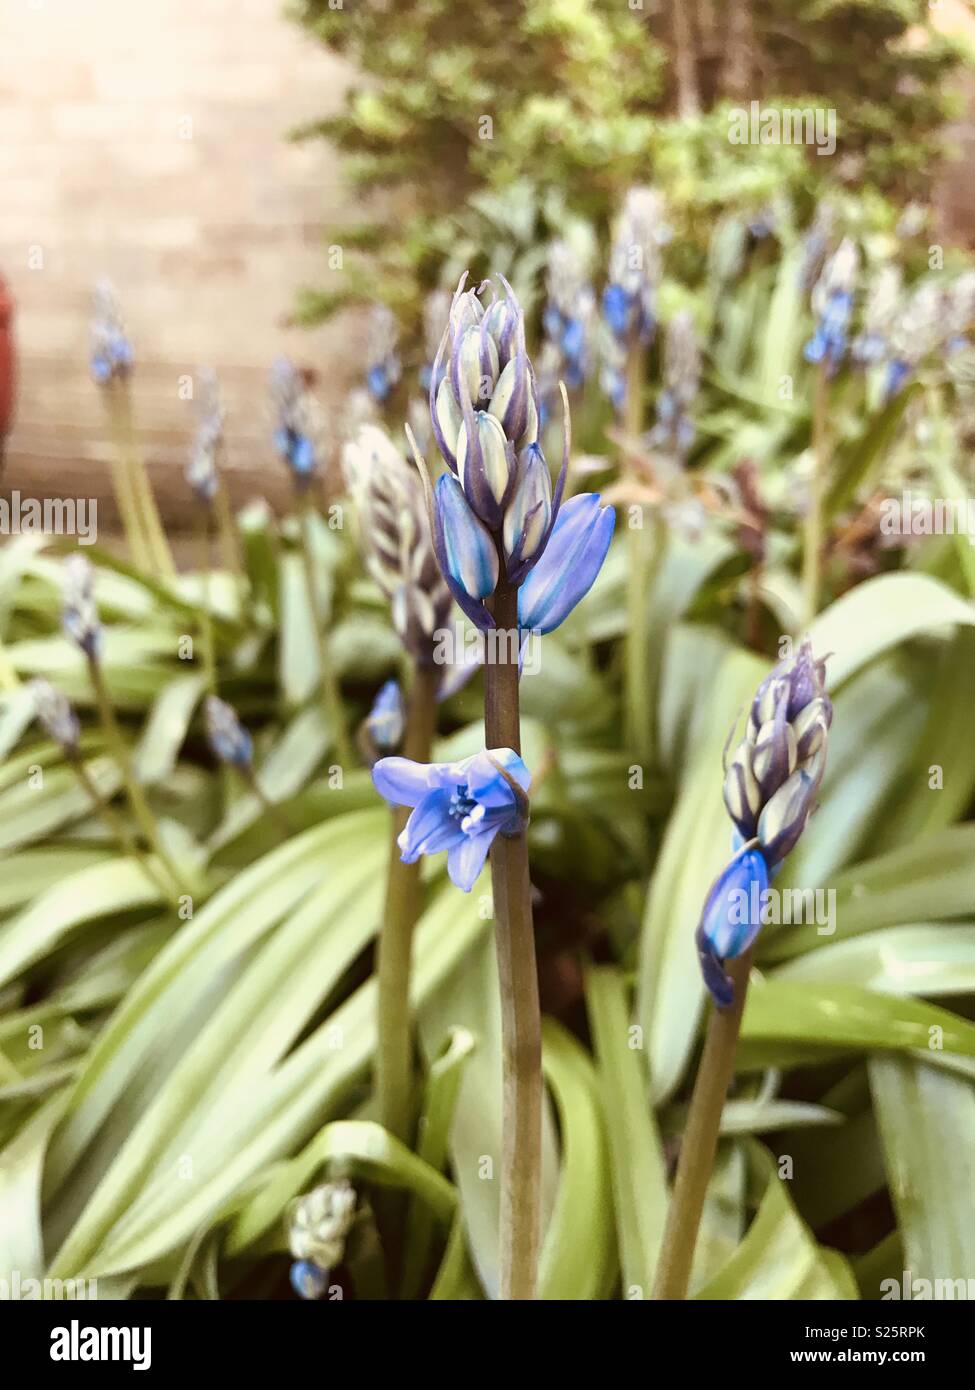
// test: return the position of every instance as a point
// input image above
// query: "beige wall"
(205, 238)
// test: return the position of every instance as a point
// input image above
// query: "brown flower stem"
(521, 1040)
(394, 1050)
(699, 1142)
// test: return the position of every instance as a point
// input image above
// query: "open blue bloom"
(569, 564)
(228, 738)
(386, 720)
(307, 1280)
(458, 807)
(731, 920)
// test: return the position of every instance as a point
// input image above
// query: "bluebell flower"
(55, 714)
(228, 738)
(833, 305)
(111, 357)
(465, 550)
(307, 1280)
(731, 920)
(458, 807)
(386, 721)
(79, 615)
(484, 406)
(384, 369)
(201, 470)
(629, 299)
(569, 565)
(674, 430)
(295, 428)
(567, 317)
(770, 788)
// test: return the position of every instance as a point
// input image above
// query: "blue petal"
(485, 784)
(569, 565)
(430, 828)
(402, 782)
(465, 860)
(732, 914)
(307, 1280)
(470, 552)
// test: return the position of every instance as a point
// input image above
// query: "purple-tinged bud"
(228, 738)
(80, 613)
(784, 816)
(731, 920)
(466, 552)
(485, 466)
(55, 714)
(528, 514)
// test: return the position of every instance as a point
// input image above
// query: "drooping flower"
(674, 430)
(296, 428)
(201, 470)
(384, 367)
(318, 1227)
(55, 714)
(832, 303)
(568, 315)
(395, 538)
(228, 738)
(111, 355)
(731, 920)
(770, 789)
(567, 570)
(79, 615)
(629, 300)
(386, 721)
(458, 807)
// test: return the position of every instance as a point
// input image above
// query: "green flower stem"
(813, 536)
(331, 693)
(206, 612)
(136, 797)
(521, 1037)
(636, 711)
(394, 1051)
(119, 828)
(699, 1142)
(229, 540)
(137, 504)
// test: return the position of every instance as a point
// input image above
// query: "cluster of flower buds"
(567, 319)
(630, 297)
(386, 721)
(395, 535)
(111, 352)
(201, 470)
(228, 738)
(79, 613)
(674, 430)
(769, 790)
(318, 1227)
(832, 302)
(55, 714)
(384, 367)
(296, 427)
(872, 345)
(496, 504)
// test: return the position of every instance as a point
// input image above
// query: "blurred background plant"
(186, 1093)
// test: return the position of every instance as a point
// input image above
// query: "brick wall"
(143, 139)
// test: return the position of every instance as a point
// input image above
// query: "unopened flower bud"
(55, 714)
(80, 613)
